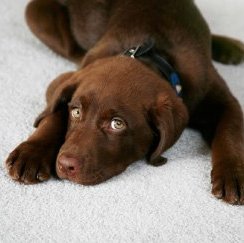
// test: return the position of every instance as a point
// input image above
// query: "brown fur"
(94, 33)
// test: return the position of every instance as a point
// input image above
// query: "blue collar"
(147, 50)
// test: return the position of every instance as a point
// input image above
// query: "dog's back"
(170, 22)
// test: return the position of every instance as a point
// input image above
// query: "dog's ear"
(168, 117)
(59, 93)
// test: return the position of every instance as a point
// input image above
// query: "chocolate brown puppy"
(145, 73)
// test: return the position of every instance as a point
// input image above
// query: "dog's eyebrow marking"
(74, 103)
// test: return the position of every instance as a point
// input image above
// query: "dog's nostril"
(68, 165)
(71, 168)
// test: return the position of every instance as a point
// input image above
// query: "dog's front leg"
(228, 155)
(220, 119)
(33, 161)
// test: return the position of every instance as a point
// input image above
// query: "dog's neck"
(147, 52)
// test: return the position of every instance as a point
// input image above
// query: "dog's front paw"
(31, 162)
(228, 183)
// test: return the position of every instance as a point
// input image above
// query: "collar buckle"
(132, 51)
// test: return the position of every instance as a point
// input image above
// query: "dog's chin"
(86, 179)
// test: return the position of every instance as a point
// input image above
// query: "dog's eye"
(76, 113)
(117, 123)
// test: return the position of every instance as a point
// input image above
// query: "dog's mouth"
(87, 179)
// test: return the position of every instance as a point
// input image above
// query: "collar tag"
(175, 82)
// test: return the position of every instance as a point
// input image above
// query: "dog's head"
(119, 112)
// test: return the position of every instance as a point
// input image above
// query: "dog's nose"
(68, 165)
